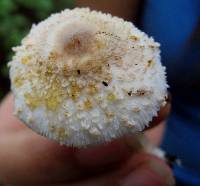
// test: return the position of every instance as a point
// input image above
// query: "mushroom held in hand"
(82, 78)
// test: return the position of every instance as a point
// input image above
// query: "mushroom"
(83, 77)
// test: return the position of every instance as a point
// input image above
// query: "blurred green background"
(16, 18)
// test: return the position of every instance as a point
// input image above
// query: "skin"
(27, 158)
(127, 9)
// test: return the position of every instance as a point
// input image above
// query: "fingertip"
(144, 169)
(8, 121)
(161, 116)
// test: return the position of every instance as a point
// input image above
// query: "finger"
(46, 161)
(10, 122)
(147, 170)
(25, 157)
(29, 159)
(141, 170)
(155, 134)
(161, 116)
(106, 154)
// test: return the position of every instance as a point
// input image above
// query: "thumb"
(141, 169)
(147, 170)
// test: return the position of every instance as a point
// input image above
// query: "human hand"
(27, 158)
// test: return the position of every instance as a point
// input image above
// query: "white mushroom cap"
(83, 77)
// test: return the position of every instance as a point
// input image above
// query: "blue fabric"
(172, 23)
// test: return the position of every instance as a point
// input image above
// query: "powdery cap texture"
(83, 77)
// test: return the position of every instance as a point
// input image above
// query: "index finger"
(161, 116)
(27, 157)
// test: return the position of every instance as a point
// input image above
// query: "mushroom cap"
(83, 77)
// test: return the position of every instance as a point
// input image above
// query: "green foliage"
(7, 7)
(16, 18)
